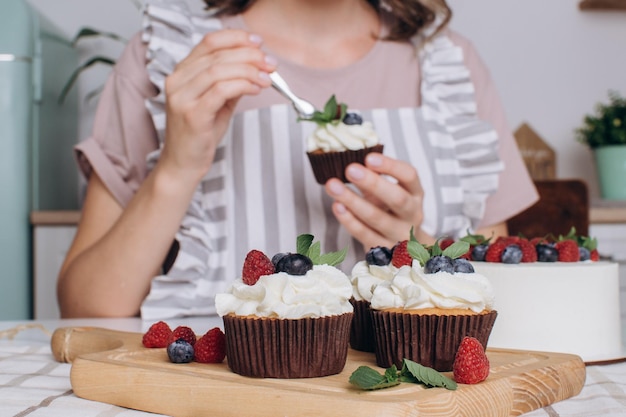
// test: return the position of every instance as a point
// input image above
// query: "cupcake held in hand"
(340, 138)
(288, 317)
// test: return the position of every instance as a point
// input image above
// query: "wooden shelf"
(602, 5)
(54, 218)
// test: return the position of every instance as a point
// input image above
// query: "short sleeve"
(123, 132)
(516, 190)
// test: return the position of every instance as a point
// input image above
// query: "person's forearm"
(112, 277)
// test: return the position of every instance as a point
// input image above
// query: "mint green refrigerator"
(37, 133)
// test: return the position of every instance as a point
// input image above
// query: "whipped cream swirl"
(365, 278)
(334, 137)
(323, 291)
(412, 289)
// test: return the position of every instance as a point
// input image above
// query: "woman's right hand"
(201, 95)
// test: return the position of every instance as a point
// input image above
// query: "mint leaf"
(425, 375)
(456, 249)
(303, 243)
(333, 112)
(314, 252)
(417, 251)
(333, 258)
(369, 379)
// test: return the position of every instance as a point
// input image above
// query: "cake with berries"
(365, 276)
(433, 301)
(569, 298)
(288, 316)
(340, 138)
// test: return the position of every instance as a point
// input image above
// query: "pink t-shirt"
(123, 132)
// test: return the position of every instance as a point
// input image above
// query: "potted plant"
(605, 134)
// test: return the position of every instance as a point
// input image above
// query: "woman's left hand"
(386, 211)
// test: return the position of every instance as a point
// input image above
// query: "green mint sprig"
(367, 378)
(333, 112)
(423, 254)
(305, 246)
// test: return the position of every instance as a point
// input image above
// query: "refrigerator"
(37, 133)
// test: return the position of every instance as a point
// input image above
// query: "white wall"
(551, 62)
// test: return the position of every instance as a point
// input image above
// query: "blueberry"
(352, 119)
(278, 257)
(439, 263)
(512, 255)
(180, 351)
(378, 255)
(479, 252)
(463, 265)
(585, 255)
(547, 253)
(294, 264)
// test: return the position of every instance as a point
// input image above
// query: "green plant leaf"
(418, 252)
(456, 249)
(303, 243)
(72, 80)
(333, 112)
(367, 378)
(425, 375)
(88, 32)
(314, 252)
(333, 258)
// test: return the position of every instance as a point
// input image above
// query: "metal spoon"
(303, 107)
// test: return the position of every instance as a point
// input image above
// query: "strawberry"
(568, 250)
(211, 347)
(255, 266)
(594, 255)
(471, 364)
(157, 336)
(400, 256)
(185, 333)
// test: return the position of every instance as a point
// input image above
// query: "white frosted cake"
(557, 307)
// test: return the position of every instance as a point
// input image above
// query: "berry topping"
(255, 266)
(444, 243)
(185, 333)
(471, 364)
(294, 264)
(180, 351)
(479, 251)
(278, 257)
(594, 255)
(333, 112)
(495, 250)
(157, 336)
(378, 255)
(529, 252)
(568, 250)
(352, 119)
(512, 254)
(211, 347)
(547, 253)
(439, 263)
(400, 255)
(584, 254)
(462, 265)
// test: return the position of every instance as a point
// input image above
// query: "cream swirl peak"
(366, 277)
(322, 291)
(411, 288)
(336, 137)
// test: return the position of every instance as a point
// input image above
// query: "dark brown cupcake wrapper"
(430, 340)
(283, 348)
(362, 329)
(327, 165)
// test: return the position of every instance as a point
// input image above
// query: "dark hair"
(407, 17)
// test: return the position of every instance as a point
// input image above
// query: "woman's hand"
(201, 95)
(386, 211)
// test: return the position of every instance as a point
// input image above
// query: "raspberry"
(529, 252)
(157, 336)
(185, 333)
(495, 250)
(444, 243)
(400, 256)
(255, 266)
(471, 364)
(568, 250)
(211, 348)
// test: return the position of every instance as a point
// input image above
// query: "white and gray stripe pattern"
(260, 192)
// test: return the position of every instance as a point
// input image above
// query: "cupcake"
(288, 317)
(429, 306)
(366, 275)
(339, 139)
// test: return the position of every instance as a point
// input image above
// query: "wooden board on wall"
(539, 157)
(602, 5)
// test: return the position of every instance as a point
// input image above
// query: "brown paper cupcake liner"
(283, 348)
(327, 165)
(430, 340)
(362, 329)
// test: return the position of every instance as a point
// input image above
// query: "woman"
(194, 160)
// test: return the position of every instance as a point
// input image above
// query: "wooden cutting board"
(113, 367)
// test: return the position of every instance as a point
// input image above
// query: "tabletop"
(33, 384)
